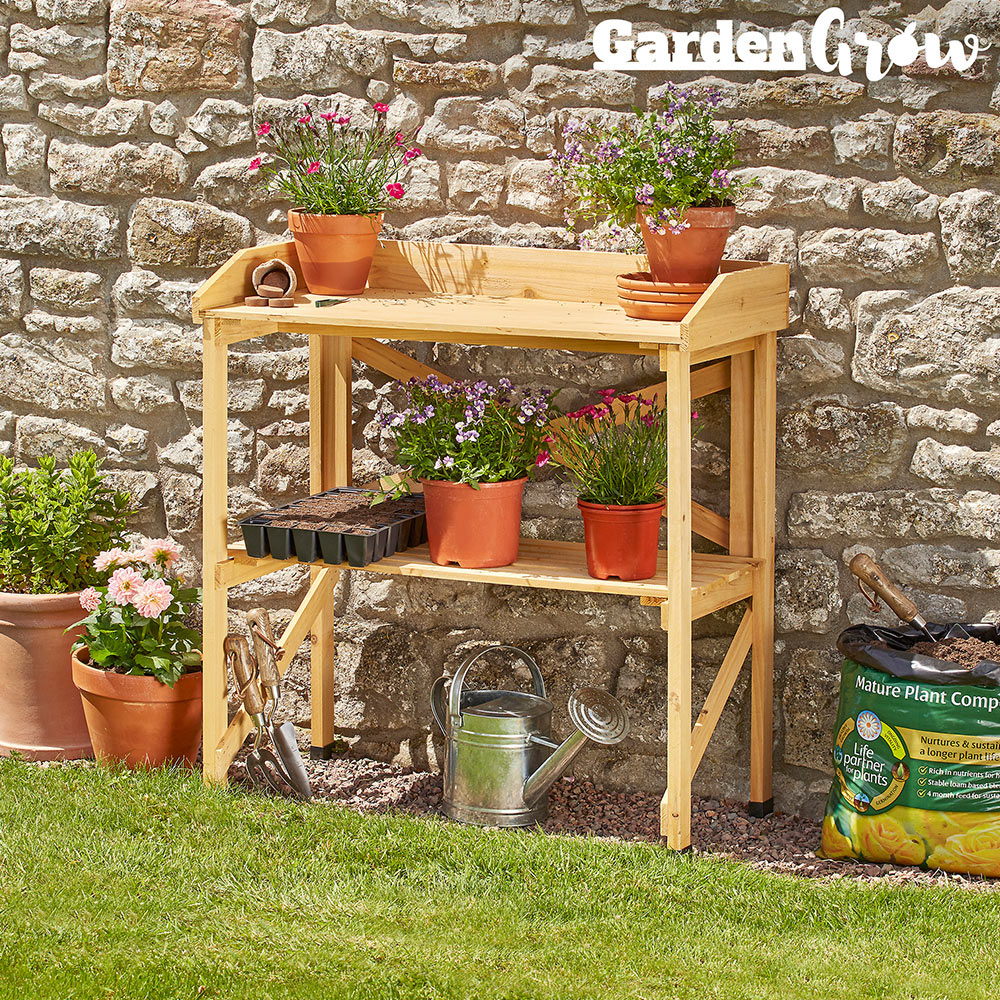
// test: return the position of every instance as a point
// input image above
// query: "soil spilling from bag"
(967, 653)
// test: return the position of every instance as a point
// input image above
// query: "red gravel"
(776, 843)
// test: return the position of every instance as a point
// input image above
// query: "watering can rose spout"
(598, 717)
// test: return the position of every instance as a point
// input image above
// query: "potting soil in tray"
(336, 525)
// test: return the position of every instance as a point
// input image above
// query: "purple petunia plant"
(470, 432)
(660, 163)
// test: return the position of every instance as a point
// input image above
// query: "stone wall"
(126, 133)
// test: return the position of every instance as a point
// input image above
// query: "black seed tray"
(358, 548)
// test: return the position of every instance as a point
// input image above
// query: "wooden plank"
(741, 446)
(717, 351)
(330, 465)
(739, 304)
(393, 315)
(231, 282)
(215, 480)
(318, 597)
(240, 726)
(393, 363)
(241, 568)
(675, 808)
(762, 667)
(721, 688)
(501, 272)
(709, 525)
(711, 378)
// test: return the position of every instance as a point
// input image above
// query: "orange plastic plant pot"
(476, 528)
(621, 541)
(335, 251)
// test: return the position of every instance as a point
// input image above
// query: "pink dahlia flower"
(124, 584)
(90, 599)
(152, 598)
(163, 552)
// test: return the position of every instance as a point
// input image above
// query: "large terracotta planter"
(694, 254)
(335, 251)
(40, 713)
(621, 541)
(138, 720)
(476, 528)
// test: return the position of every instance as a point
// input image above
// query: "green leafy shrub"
(54, 521)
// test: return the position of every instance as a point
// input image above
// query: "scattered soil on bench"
(967, 653)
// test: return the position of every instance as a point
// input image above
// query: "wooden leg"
(675, 808)
(741, 444)
(762, 664)
(330, 455)
(215, 600)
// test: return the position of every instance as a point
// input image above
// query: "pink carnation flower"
(380, 109)
(264, 129)
(542, 459)
(110, 559)
(255, 163)
(152, 598)
(410, 154)
(305, 119)
(313, 167)
(394, 190)
(163, 552)
(90, 599)
(124, 584)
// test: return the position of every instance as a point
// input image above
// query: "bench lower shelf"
(716, 580)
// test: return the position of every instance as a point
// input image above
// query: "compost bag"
(916, 755)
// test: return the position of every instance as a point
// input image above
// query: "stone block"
(459, 78)
(970, 235)
(52, 373)
(866, 142)
(184, 234)
(143, 393)
(806, 591)
(11, 289)
(200, 46)
(155, 345)
(835, 255)
(900, 200)
(952, 144)
(54, 228)
(473, 185)
(472, 125)
(115, 118)
(767, 142)
(24, 151)
(809, 707)
(325, 57)
(530, 185)
(831, 435)
(799, 192)
(223, 123)
(125, 168)
(952, 464)
(37, 435)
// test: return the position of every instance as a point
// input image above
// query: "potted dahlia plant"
(669, 171)
(52, 524)
(619, 470)
(137, 663)
(339, 178)
(471, 445)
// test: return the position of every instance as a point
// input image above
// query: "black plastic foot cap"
(761, 809)
(323, 753)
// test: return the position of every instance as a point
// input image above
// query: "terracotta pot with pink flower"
(340, 177)
(137, 662)
(615, 453)
(53, 522)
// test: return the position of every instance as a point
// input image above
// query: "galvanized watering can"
(499, 762)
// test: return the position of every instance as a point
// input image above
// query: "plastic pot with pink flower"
(137, 662)
(340, 175)
(667, 176)
(615, 454)
(472, 445)
(53, 522)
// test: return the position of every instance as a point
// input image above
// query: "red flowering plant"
(619, 462)
(325, 165)
(137, 621)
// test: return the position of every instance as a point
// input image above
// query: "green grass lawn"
(121, 885)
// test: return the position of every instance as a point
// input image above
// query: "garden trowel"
(266, 654)
(870, 574)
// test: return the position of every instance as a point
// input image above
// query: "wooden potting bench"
(554, 299)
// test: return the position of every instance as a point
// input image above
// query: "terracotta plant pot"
(40, 712)
(138, 720)
(621, 541)
(335, 251)
(476, 528)
(693, 254)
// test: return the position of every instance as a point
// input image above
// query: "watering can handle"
(455, 695)
(437, 703)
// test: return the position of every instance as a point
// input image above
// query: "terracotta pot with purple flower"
(340, 178)
(472, 447)
(137, 663)
(615, 453)
(666, 175)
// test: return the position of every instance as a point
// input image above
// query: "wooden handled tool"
(267, 653)
(240, 659)
(870, 574)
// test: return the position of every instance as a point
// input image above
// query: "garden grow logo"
(618, 46)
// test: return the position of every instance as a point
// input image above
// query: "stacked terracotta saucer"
(643, 298)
